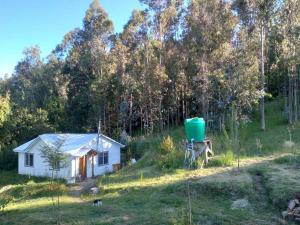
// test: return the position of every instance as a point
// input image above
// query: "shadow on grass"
(12, 178)
(162, 200)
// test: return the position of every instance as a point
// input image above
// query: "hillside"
(145, 194)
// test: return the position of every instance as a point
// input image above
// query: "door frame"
(82, 167)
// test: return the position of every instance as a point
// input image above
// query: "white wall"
(40, 168)
(113, 158)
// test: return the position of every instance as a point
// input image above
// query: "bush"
(288, 159)
(168, 156)
(198, 163)
(227, 159)
(224, 160)
(4, 201)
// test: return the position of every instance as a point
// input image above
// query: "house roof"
(73, 144)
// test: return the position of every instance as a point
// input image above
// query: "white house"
(84, 158)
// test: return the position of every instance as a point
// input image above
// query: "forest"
(174, 60)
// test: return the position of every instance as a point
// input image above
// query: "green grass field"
(145, 194)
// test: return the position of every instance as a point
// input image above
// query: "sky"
(25, 23)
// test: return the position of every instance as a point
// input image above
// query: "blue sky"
(25, 23)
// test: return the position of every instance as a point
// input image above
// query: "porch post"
(75, 175)
(93, 166)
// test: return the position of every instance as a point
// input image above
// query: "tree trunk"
(290, 100)
(285, 92)
(262, 100)
(160, 115)
(130, 116)
(295, 99)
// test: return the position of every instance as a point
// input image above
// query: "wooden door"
(82, 167)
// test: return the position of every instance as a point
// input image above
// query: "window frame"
(55, 169)
(27, 160)
(103, 157)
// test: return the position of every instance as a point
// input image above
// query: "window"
(56, 166)
(102, 158)
(29, 159)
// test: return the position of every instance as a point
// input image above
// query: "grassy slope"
(142, 194)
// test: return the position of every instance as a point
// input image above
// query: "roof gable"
(24, 147)
(72, 143)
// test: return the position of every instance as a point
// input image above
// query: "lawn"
(144, 194)
(129, 198)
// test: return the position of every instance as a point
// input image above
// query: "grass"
(10, 178)
(144, 193)
(159, 198)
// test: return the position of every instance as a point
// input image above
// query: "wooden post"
(75, 169)
(206, 154)
(93, 175)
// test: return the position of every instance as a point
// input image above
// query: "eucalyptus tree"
(207, 34)
(257, 16)
(290, 31)
(5, 108)
(24, 81)
(87, 67)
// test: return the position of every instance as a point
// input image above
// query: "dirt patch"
(240, 204)
(81, 187)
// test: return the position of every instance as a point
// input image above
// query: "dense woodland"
(173, 60)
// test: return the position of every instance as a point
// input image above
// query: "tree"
(207, 37)
(289, 24)
(25, 81)
(56, 161)
(87, 67)
(256, 15)
(5, 109)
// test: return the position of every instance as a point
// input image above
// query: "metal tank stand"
(194, 149)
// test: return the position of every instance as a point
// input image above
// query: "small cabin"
(87, 155)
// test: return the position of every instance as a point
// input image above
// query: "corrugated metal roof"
(73, 144)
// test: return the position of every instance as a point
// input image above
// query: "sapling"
(259, 146)
(56, 160)
(4, 201)
(236, 145)
(290, 144)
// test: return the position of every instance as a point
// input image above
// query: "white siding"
(113, 158)
(40, 168)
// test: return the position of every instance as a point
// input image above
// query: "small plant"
(167, 146)
(290, 144)
(183, 218)
(198, 163)
(259, 146)
(4, 201)
(169, 157)
(227, 159)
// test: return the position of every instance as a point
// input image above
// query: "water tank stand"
(194, 149)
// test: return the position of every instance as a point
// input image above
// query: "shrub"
(167, 146)
(228, 158)
(4, 201)
(182, 219)
(223, 160)
(198, 163)
(288, 159)
(168, 156)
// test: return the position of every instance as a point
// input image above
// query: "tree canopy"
(173, 60)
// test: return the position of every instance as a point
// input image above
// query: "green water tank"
(195, 129)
